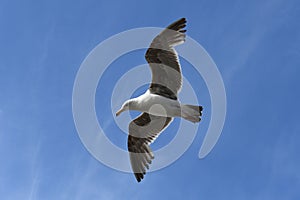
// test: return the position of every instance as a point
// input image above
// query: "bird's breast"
(160, 106)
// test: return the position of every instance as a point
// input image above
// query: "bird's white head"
(128, 105)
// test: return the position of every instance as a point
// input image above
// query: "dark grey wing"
(143, 131)
(164, 61)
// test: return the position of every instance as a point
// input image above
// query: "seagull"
(159, 104)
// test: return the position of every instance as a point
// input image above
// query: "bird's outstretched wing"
(143, 131)
(164, 61)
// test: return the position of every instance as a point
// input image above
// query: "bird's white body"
(157, 105)
(164, 107)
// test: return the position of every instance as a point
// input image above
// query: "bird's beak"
(119, 112)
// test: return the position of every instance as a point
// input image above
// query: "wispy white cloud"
(85, 185)
(35, 171)
(249, 43)
(284, 168)
(34, 186)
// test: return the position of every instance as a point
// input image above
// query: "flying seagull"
(159, 105)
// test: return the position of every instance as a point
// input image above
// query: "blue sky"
(255, 44)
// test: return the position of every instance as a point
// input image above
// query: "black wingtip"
(182, 19)
(138, 176)
(178, 25)
(200, 108)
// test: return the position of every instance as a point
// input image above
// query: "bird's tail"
(191, 113)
